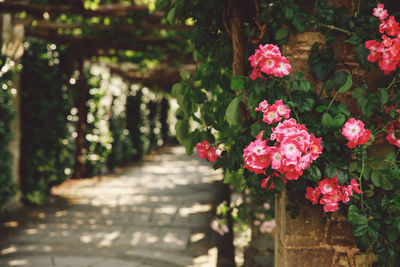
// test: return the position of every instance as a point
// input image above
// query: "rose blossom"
(355, 133)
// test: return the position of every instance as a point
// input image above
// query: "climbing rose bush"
(270, 122)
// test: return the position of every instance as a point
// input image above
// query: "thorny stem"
(332, 27)
(383, 129)
(392, 82)
(358, 9)
(294, 110)
(333, 98)
(290, 96)
(316, 7)
(360, 181)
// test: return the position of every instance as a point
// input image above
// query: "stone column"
(12, 47)
(310, 240)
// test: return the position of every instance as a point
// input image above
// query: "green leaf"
(367, 173)
(353, 166)
(321, 108)
(176, 89)
(342, 108)
(360, 230)
(289, 13)
(342, 177)
(376, 178)
(362, 219)
(361, 53)
(347, 85)
(235, 178)
(384, 95)
(185, 75)
(305, 86)
(330, 171)
(299, 75)
(359, 91)
(182, 130)
(339, 78)
(339, 120)
(281, 34)
(373, 233)
(363, 242)
(162, 4)
(352, 214)
(279, 184)
(237, 83)
(171, 15)
(233, 112)
(381, 180)
(327, 120)
(255, 129)
(314, 173)
(307, 104)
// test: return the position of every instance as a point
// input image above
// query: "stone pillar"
(12, 47)
(311, 240)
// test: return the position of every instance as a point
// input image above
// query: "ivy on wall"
(45, 103)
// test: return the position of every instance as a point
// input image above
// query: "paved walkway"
(154, 214)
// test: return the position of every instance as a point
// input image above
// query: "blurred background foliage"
(79, 50)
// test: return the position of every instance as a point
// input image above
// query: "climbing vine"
(344, 93)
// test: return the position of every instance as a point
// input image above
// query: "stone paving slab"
(156, 213)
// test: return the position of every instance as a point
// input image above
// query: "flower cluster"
(205, 151)
(393, 130)
(273, 113)
(293, 151)
(268, 59)
(355, 133)
(332, 193)
(387, 52)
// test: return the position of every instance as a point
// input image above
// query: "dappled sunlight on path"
(154, 214)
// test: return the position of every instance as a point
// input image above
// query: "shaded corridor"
(156, 213)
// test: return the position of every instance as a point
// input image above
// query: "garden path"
(156, 213)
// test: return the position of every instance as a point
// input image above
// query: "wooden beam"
(98, 42)
(42, 25)
(112, 10)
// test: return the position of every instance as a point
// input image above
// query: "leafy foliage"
(7, 189)
(222, 106)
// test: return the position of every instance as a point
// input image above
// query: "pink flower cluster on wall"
(268, 60)
(332, 193)
(293, 151)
